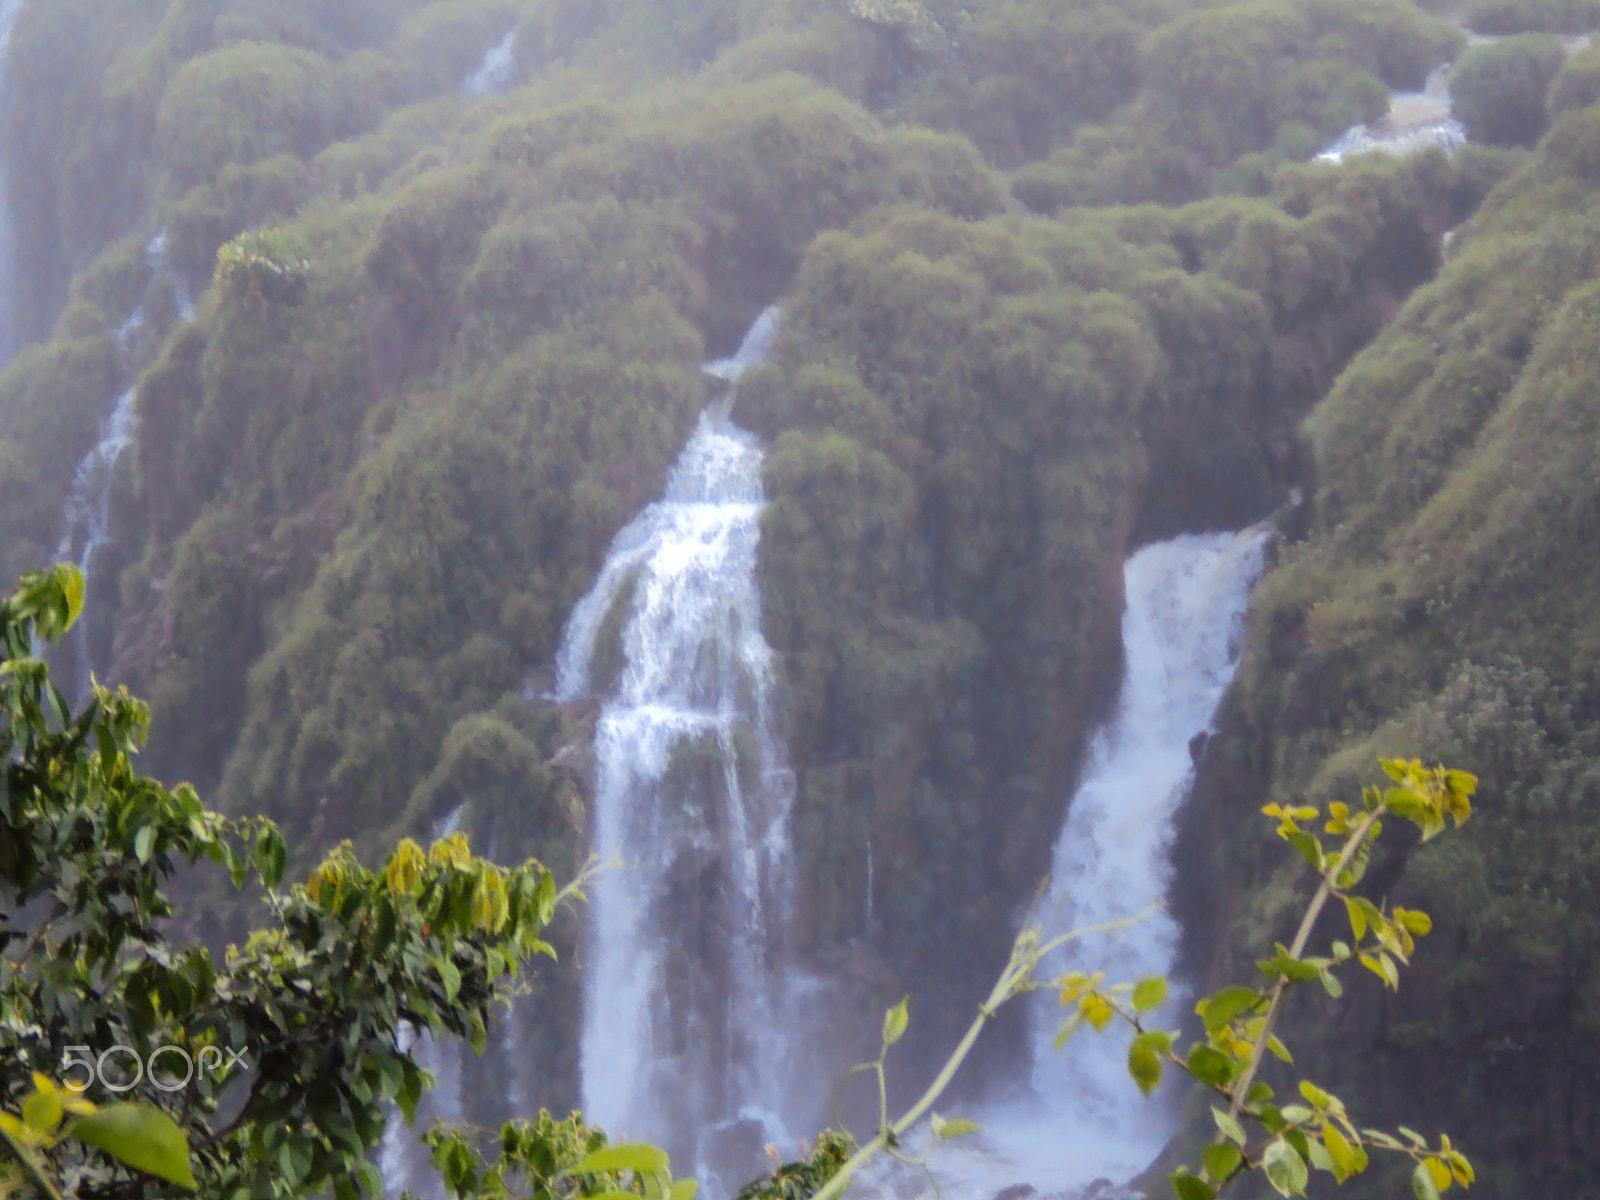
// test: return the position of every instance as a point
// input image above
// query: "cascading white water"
(1083, 1119)
(1185, 605)
(1414, 122)
(87, 519)
(494, 72)
(682, 1035)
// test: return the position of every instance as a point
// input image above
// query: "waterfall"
(9, 334)
(493, 74)
(88, 522)
(1180, 632)
(1082, 1119)
(682, 1027)
(1415, 121)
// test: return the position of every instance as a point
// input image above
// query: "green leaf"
(1068, 1028)
(1144, 1064)
(1422, 1185)
(1230, 1128)
(638, 1157)
(895, 1022)
(1209, 1065)
(1149, 993)
(1344, 1158)
(1221, 1007)
(1096, 1010)
(953, 1128)
(1285, 1170)
(1189, 1186)
(449, 975)
(1220, 1160)
(140, 1137)
(143, 842)
(41, 1111)
(683, 1189)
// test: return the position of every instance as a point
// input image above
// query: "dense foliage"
(1057, 280)
(1441, 595)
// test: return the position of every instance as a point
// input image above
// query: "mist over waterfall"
(683, 1031)
(1084, 1119)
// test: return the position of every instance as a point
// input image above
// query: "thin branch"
(1241, 1087)
(29, 1164)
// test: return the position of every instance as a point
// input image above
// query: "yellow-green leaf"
(140, 1137)
(895, 1022)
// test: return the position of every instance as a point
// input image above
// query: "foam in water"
(1083, 1119)
(682, 1031)
(493, 74)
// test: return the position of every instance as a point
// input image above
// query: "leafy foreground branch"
(322, 1003)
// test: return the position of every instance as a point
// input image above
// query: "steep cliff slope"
(1440, 601)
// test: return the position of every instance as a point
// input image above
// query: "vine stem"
(1025, 955)
(1302, 935)
(29, 1165)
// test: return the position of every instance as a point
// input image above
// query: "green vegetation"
(326, 999)
(1499, 89)
(1056, 281)
(1441, 596)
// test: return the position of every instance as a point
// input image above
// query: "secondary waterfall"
(1083, 1119)
(682, 1025)
(87, 523)
(494, 72)
(86, 520)
(1415, 121)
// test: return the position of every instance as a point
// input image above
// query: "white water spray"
(1415, 121)
(493, 74)
(88, 519)
(1084, 1120)
(683, 1038)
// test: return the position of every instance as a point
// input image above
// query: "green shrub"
(242, 104)
(1533, 16)
(1499, 89)
(1577, 84)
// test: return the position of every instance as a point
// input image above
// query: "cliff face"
(451, 345)
(1439, 602)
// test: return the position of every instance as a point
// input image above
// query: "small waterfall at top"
(1083, 1119)
(493, 74)
(682, 1023)
(9, 334)
(1415, 121)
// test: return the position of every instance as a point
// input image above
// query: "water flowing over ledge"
(683, 1028)
(1082, 1121)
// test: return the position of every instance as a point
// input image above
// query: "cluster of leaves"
(263, 265)
(138, 1136)
(1240, 1022)
(321, 1002)
(550, 1159)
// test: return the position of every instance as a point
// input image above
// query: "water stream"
(493, 74)
(683, 1028)
(1081, 1118)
